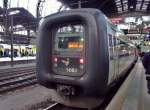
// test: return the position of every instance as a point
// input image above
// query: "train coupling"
(66, 90)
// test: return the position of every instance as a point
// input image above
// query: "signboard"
(135, 31)
(116, 20)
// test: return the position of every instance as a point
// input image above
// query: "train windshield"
(68, 51)
(72, 40)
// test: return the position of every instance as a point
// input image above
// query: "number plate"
(71, 70)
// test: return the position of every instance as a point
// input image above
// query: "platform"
(144, 99)
(132, 95)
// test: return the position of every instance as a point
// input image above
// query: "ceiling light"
(131, 7)
(147, 0)
(117, 0)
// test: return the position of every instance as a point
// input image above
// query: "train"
(81, 55)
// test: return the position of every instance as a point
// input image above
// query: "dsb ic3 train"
(80, 55)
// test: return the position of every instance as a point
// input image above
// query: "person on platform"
(146, 64)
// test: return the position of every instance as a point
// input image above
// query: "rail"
(12, 79)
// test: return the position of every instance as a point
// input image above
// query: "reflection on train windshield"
(72, 42)
(69, 38)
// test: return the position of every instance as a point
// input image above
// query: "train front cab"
(74, 62)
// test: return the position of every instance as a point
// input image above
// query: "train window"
(70, 42)
(110, 40)
(120, 42)
(114, 39)
(69, 38)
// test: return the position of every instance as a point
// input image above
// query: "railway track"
(15, 78)
(15, 69)
(17, 62)
(57, 106)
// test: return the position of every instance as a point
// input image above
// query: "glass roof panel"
(117, 0)
(138, 6)
(144, 6)
(139, 0)
(119, 6)
(50, 6)
(125, 1)
(118, 3)
(146, 3)
(125, 9)
(125, 5)
(119, 9)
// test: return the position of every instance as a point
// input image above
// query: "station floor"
(144, 99)
(137, 97)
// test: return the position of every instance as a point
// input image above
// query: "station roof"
(112, 7)
(20, 16)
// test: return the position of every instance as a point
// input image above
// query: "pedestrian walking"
(146, 64)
